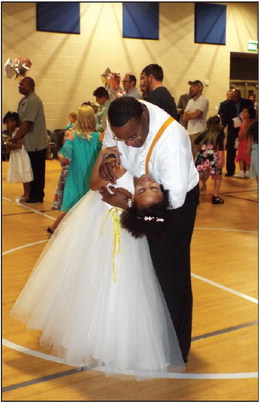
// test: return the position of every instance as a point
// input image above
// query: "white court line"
(16, 201)
(174, 375)
(34, 211)
(230, 290)
(23, 246)
(240, 294)
(241, 375)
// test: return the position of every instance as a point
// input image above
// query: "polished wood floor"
(223, 362)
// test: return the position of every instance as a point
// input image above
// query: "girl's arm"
(14, 146)
(220, 159)
(106, 155)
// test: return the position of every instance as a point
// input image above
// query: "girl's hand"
(117, 197)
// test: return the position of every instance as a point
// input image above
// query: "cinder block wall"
(67, 68)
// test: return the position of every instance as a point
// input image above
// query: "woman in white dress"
(19, 167)
(95, 296)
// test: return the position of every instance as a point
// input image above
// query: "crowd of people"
(128, 191)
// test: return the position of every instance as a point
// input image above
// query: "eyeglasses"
(134, 137)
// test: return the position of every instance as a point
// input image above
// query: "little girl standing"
(243, 158)
(210, 159)
(19, 168)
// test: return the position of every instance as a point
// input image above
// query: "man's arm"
(192, 115)
(23, 129)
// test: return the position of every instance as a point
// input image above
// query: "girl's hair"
(86, 122)
(212, 130)
(11, 116)
(153, 220)
(251, 111)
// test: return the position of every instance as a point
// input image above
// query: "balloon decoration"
(17, 67)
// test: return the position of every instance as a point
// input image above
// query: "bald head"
(236, 95)
(26, 86)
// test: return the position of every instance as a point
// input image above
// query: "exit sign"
(252, 46)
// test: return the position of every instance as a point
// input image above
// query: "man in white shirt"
(132, 126)
(196, 112)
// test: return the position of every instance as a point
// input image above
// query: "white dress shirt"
(171, 163)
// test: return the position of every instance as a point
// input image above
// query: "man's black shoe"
(34, 201)
(229, 174)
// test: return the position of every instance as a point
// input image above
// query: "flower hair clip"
(149, 218)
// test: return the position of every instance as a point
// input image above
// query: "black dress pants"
(171, 258)
(37, 159)
(231, 151)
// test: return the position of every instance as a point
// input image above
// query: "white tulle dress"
(19, 166)
(94, 306)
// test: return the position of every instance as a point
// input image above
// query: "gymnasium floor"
(223, 362)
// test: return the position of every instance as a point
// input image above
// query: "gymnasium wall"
(67, 67)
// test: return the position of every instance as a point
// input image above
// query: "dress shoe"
(51, 231)
(217, 200)
(33, 201)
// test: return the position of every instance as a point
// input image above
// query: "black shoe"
(34, 201)
(229, 174)
(217, 200)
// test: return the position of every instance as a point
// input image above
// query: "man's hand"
(118, 198)
(106, 171)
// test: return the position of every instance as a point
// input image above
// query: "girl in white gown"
(19, 167)
(95, 296)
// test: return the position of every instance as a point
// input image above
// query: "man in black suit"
(229, 110)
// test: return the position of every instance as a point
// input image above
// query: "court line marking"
(40, 380)
(23, 247)
(222, 331)
(214, 283)
(174, 375)
(37, 354)
(195, 228)
(230, 290)
(16, 201)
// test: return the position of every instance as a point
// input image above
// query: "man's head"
(151, 74)
(196, 88)
(229, 95)
(129, 82)
(101, 95)
(236, 95)
(26, 86)
(129, 121)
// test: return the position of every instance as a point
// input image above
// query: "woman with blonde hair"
(81, 148)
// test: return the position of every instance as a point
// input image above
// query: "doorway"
(244, 73)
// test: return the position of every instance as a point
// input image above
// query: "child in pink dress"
(243, 158)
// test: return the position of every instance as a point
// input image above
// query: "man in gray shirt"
(129, 84)
(33, 131)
